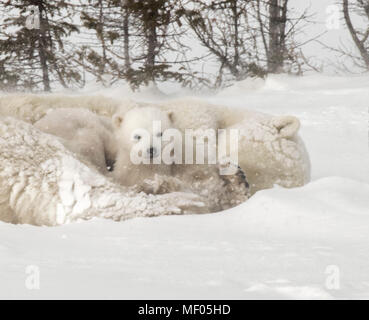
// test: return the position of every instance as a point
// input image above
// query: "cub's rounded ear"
(287, 126)
(171, 115)
(117, 121)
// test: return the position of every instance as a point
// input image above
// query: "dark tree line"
(34, 58)
(149, 41)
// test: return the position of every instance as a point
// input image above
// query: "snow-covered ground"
(309, 242)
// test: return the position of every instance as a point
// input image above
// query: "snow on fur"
(42, 183)
(270, 150)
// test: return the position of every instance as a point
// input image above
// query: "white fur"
(91, 137)
(82, 132)
(42, 183)
(135, 130)
(217, 192)
(271, 151)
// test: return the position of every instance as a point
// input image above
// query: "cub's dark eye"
(160, 134)
(137, 137)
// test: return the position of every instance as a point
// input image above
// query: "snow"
(304, 243)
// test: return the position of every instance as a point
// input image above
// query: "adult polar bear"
(270, 149)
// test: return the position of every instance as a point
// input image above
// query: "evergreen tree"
(99, 51)
(35, 56)
(132, 40)
(159, 30)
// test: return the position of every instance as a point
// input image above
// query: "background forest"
(194, 43)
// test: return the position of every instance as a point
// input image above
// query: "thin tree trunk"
(275, 50)
(127, 62)
(42, 49)
(359, 43)
(261, 26)
(282, 28)
(151, 49)
(101, 31)
(236, 34)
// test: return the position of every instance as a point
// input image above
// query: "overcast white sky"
(324, 12)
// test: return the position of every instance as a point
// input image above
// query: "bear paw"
(236, 184)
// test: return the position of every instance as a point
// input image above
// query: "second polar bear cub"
(84, 133)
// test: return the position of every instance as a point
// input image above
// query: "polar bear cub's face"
(142, 128)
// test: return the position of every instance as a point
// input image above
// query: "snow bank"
(280, 244)
(331, 208)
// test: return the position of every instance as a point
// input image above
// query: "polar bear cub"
(138, 133)
(151, 132)
(107, 144)
(84, 133)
